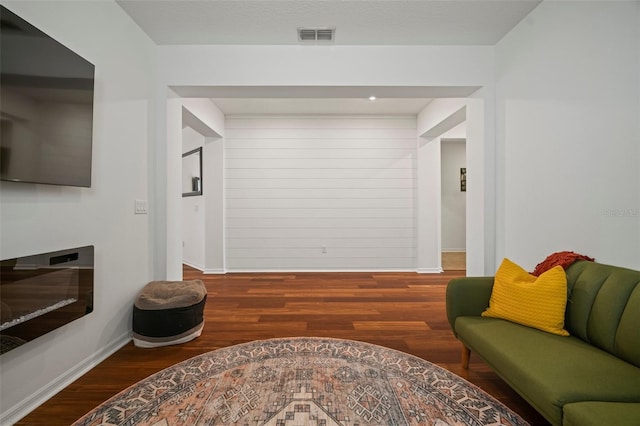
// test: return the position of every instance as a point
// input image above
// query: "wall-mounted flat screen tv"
(46, 108)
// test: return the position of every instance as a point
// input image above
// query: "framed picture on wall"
(463, 179)
(192, 173)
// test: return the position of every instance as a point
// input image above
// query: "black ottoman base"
(153, 342)
(168, 313)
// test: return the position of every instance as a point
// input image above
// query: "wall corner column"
(428, 206)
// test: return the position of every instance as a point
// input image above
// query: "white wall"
(567, 95)
(216, 65)
(208, 120)
(481, 183)
(193, 211)
(40, 218)
(453, 200)
(441, 118)
(428, 217)
(213, 164)
(248, 67)
(295, 185)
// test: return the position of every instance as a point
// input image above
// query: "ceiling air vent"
(316, 34)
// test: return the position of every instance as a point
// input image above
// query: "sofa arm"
(467, 296)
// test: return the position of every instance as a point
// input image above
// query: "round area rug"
(303, 381)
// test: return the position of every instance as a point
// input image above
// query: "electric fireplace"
(42, 292)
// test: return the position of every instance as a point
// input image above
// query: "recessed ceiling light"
(372, 98)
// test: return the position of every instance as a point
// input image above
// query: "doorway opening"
(453, 202)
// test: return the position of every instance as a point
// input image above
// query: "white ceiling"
(357, 22)
(314, 106)
(405, 100)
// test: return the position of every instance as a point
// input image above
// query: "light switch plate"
(140, 207)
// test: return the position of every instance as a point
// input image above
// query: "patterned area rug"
(303, 381)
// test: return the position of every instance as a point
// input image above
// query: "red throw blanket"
(562, 258)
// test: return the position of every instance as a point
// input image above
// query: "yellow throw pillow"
(537, 302)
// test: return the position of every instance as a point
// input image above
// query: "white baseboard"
(215, 271)
(284, 271)
(430, 270)
(194, 265)
(205, 270)
(292, 271)
(14, 414)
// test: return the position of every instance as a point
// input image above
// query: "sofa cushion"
(537, 302)
(546, 369)
(596, 413)
(627, 341)
(604, 307)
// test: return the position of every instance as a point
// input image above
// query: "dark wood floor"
(404, 311)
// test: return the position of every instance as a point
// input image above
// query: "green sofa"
(589, 378)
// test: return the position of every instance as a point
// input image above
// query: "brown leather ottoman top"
(160, 295)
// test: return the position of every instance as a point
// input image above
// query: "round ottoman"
(168, 313)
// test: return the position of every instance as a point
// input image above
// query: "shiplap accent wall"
(320, 193)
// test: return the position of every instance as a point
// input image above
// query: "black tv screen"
(46, 107)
